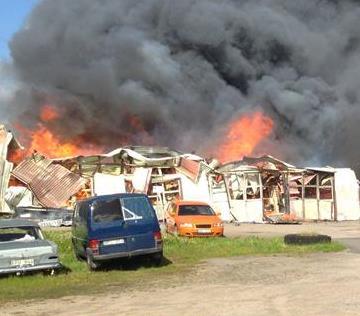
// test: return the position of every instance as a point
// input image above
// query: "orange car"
(192, 218)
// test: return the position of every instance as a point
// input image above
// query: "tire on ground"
(299, 239)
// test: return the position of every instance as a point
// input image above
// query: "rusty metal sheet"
(51, 184)
(190, 168)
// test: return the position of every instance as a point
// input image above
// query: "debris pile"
(258, 190)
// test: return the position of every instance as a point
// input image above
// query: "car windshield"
(107, 211)
(185, 210)
(19, 234)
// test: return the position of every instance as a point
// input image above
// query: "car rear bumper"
(128, 254)
(195, 232)
(49, 266)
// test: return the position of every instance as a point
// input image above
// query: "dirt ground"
(313, 284)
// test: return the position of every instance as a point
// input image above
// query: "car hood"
(199, 219)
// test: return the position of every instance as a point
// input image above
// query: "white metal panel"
(296, 208)
(247, 211)
(326, 209)
(108, 184)
(347, 195)
(311, 209)
(195, 191)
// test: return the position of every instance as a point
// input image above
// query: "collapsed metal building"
(255, 190)
(268, 189)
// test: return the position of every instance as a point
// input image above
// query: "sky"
(12, 15)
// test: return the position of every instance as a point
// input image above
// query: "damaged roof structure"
(51, 184)
(159, 172)
(263, 189)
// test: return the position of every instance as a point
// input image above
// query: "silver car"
(24, 249)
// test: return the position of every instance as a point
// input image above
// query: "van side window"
(107, 211)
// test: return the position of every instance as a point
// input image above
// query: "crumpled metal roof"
(51, 184)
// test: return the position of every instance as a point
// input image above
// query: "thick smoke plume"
(177, 72)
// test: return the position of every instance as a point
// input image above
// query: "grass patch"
(183, 253)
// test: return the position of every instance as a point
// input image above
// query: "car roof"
(111, 196)
(184, 202)
(9, 223)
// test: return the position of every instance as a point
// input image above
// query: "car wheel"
(92, 265)
(158, 258)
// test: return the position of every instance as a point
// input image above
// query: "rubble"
(256, 190)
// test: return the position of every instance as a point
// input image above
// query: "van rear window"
(107, 211)
(137, 208)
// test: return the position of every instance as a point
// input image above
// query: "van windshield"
(107, 211)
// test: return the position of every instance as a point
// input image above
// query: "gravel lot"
(315, 284)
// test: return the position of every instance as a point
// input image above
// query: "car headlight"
(218, 225)
(186, 225)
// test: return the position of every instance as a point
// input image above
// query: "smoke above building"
(179, 73)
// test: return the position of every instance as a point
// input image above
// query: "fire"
(41, 139)
(49, 113)
(244, 135)
(142, 134)
(45, 142)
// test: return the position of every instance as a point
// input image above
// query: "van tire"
(158, 258)
(77, 256)
(92, 265)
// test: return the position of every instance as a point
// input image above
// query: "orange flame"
(244, 135)
(49, 113)
(44, 141)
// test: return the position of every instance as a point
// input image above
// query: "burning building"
(159, 172)
(256, 190)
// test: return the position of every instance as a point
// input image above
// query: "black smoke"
(186, 68)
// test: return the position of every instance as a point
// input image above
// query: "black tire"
(50, 272)
(298, 239)
(91, 263)
(158, 258)
(78, 257)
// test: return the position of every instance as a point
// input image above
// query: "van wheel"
(78, 257)
(92, 265)
(158, 258)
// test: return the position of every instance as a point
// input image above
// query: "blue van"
(115, 226)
